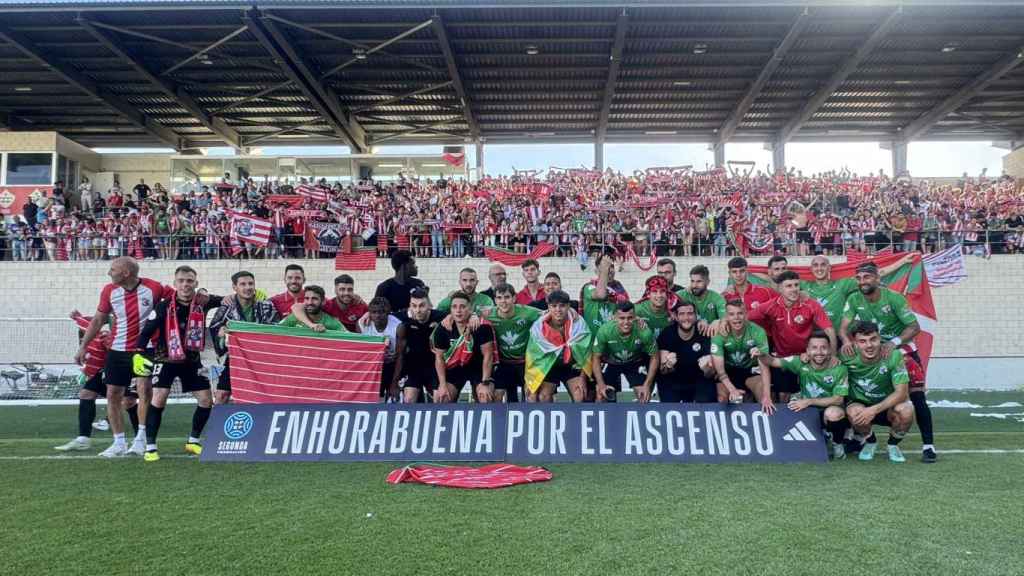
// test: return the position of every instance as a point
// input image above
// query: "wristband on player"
(897, 341)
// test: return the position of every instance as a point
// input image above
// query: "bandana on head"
(655, 283)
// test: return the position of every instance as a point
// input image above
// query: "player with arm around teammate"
(824, 383)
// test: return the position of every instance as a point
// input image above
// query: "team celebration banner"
(703, 433)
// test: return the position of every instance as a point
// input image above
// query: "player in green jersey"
(734, 354)
(878, 392)
(653, 308)
(710, 304)
(599, 297)
(467, 285)
(898, 326)
(824, 383)
(623, 348)
(511, 324)
(832, 294)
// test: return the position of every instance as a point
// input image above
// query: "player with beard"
(179, 325)
(685, 370)
(346, 305)
(667, 270)
(312, 315)
(878, 392)
(654, 307)
(511, 322)
(824, 383)
(753, 295)
(624, 348)
(710, 305)
(789, 319)
(832, 294)
(244, 308)
(463, 355)
(413, 354)
(897, 325)
(734, 353)
(294, 279)
(467, 285)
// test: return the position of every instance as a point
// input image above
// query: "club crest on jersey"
(696, 347)
(799, 319)
(146, 302)
(886, 309)
(750, 342)
(883, 370)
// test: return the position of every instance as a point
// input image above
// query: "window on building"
(29, 168)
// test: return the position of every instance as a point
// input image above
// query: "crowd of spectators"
(668, 211)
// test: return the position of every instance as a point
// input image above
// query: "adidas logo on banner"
(800, 433)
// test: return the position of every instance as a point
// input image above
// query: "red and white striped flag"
(348, 258)
(312, 192)
(250, 229)
(855, 255)
(273, 364)
(887, 251)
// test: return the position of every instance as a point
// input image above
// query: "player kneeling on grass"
(462, 354)
(823, 384)
(180, 325)
(878, 392)
(734, 354)
(623, 347)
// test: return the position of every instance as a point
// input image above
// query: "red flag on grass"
(276, 364)
(514, 259)
(911, 280)
(490, 476)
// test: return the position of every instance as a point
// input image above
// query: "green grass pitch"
(962, 515)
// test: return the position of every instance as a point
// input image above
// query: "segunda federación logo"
(238, 425)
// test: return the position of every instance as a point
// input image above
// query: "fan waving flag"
(454, 155)
(515, 259)
(250, 228)
(312, 192)
(277, 364)
(911, 280)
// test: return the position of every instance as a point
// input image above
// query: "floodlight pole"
(599, 155)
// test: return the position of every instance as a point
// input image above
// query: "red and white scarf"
(195, 330)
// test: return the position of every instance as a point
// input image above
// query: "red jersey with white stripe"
(130, 309)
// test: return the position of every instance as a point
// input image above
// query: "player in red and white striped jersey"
(129, 299)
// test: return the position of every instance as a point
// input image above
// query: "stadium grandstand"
(236, 363)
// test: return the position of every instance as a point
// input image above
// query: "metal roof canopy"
(210, 73)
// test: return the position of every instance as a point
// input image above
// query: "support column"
(899, 159)
(719, 149)
(779, 157)
(599, 155)
(479, 160)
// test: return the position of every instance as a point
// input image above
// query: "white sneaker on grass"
(77, 445)
(114, 451)
(138, 447)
